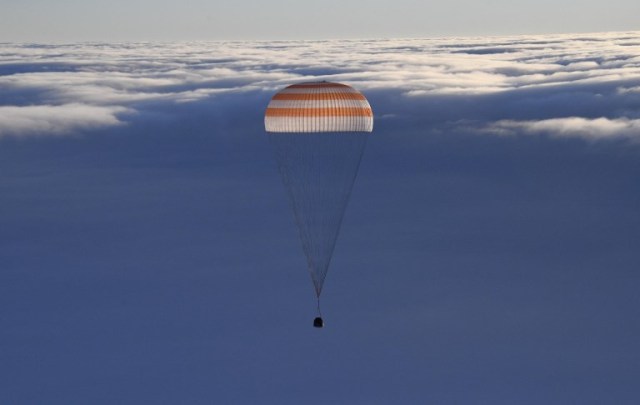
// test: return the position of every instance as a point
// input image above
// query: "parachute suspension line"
(319, 312)
(319, 171)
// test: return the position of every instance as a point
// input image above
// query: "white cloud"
(629, 89)
(577, 127)
(55, 120)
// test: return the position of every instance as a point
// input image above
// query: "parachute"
(319, 131)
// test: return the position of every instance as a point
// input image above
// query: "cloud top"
(46, 120)
(571, 127)
(546, 83)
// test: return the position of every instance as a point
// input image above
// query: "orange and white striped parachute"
(319, 107)
(319, 132)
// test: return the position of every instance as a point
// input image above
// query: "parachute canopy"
(318, 107)
(319, 132)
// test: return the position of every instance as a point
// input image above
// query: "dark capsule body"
(318, 322)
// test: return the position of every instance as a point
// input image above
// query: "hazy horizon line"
(325, 39)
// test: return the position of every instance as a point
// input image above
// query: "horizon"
(329, 39)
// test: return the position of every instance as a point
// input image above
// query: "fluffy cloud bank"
(594, 129)
(56, 120)
(561, 85)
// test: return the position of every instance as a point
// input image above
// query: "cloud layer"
(583, 85)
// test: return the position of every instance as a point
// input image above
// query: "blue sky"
(116, 20)
(489, 253)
